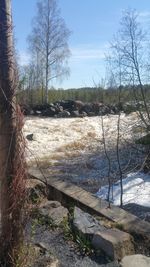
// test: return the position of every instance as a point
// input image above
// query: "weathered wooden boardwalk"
(68, 193)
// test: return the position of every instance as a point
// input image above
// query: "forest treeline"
(86, 94)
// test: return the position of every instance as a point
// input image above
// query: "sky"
(92, 23)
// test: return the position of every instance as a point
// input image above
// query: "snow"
(136, 189)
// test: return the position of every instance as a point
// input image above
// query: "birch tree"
(49, 40)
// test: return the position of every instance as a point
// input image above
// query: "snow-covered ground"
(136, 189)
(73, 149)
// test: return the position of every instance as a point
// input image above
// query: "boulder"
(147, 217)
(29, 137)
(104, 110)
(114, 109)
(66, 104)
(135, 261)
(91, 114)
(115, 243)
(51, 111)
(88, 108)
(83, 114)
(75, 113)
(86, 224)
(54, 211)
(96, 107)
(78, 105)
(64, 114)
(37, 112)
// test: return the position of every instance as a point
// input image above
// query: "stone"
(75, 113)
(51, 204)
(88, 107)
(147, 217)
(86, 224)
(63, 114)
(83, 114)
(78, 105)
(29, 137)
(54, 211)
(135, 261)
(42, 247)
(115, 243)
(50, 111)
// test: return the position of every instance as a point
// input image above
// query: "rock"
(66, 104)
(75, 113)
(65, 108)
(64, 114)
(115, 243)
(88, 108)
(147, 217)
(78, 105)
(50, 112)
(29, 137)
(135, 261)
(54, 211)
(54, 204)
(91, 114)
(41, 247)
(86, 224)
(83, 114)
(60, 109)
(128, 108)
(37, 112)
(104, 110)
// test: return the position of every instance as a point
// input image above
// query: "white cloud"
(144, 16)
(24, 58)
(88, 52)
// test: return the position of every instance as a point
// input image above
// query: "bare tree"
(130, 43)
(127, 62)
(12, 168)
(49, 40)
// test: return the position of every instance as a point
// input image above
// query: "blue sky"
(93, 24)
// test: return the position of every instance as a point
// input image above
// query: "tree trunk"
(9, 136)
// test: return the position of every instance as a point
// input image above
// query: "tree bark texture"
(9, 142)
